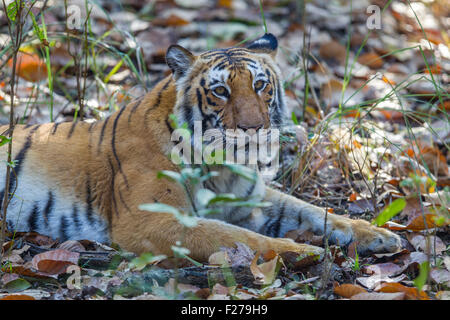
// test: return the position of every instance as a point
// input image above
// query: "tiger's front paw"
(369, 238)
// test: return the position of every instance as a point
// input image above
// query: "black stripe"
(169, 126)
(89, 199)
(251, 188)
(273, 226)
(76, 217)
(33, 218)
(112, 193)
(199, 99)
(19, 160)
(63, 229)
(91, 126)
(48, 208)
(277, 227)
(72, 129)
(211, 103)
(133, 110)
(123, 201)
(102, 133)
(113, 145)
(55, 127)
(158, 100)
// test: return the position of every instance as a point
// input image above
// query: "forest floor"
(368, 99)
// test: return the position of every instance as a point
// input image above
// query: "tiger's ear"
(179, 60)
(266, 44)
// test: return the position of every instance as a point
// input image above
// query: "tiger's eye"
(221, 91)
(259, 85)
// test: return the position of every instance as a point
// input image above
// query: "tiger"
(87, 180)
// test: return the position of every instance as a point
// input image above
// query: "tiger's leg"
(289, 213)
(142, 231)
(207, 237)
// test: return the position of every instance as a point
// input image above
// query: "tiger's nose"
(255, 127)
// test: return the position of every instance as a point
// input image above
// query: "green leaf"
(185, 220)
(159, 207)
(37, 30)
(294, 118)
(420, 281)
(222, 197)
(204, 196)
(204, 212)
(243, 171)
(145, 259)
(12, 11)
(249, 204)
(180, 251)
(17, 285)
(4, 140)
(171, 175)
(390, 211)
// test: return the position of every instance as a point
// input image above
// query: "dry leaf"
(418, 224)
(171, 21)
(297, 261)
(384, 269)
(55, 262)
(30, 67)
(266, 272)
(378, 296)
(373, 281)
(219, 258)
(371, 59)
(410, 293)
(420, 243)
(71, 245)
(241, 255)
(17, 297)
(8, 277)
(348, 290)
(333, 50)
(440, 276)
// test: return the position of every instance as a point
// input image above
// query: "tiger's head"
(232, 88)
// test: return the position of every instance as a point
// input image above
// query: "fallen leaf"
(25, 270)
(36, 238)
(333, 50)
(297, 262)
(390, 255)
(55, 262)
(8, 277)
(172, 20)
(440, 276)
(375, 280)
(393, 226)
(410, 293)
(266, 272)
(348, 290)
(17, 297)
(443, 295)
(378, 296)
(241, 255)
(420, 243)
(371, 59)
(72, 245)
(384, 269)
(30, 67)
(17, 285)
(219, 258)
(418, 224)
